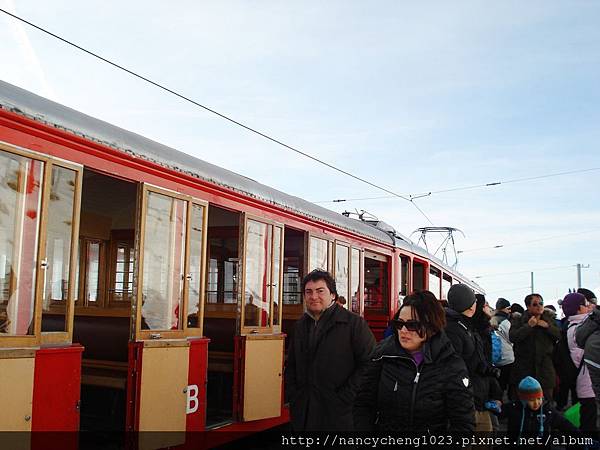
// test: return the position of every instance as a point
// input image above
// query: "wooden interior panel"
(16, 392)
(263, 368)
(163, 388)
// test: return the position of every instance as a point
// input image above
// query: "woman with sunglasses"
(415, 381)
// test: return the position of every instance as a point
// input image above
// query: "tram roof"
(40, 109)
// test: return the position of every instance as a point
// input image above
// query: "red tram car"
(144, 289)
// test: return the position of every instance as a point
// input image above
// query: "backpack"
(566, 369)
(496, 348)
(502, 348)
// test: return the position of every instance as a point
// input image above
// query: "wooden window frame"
(330, 249)
(361, 279)
(82, 303)
(348, 248)
(49, 337)
(184, 332)
(112, 273)
(270, 329)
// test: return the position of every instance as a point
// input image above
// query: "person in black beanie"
(501, 323)
(467, 342)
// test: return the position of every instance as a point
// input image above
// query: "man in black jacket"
(327, 358)
(534, 336)
(459, 328)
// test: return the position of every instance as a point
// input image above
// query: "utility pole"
(532, 282)
(579, 267)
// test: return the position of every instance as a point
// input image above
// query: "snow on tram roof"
(25, 103)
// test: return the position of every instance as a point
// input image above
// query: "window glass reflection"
(257, 274)
(163, 262)
(58, 248)
(318, 254)
(355, 281)
(276, 271)
(20, 199)
(342, 273)
(197, 222)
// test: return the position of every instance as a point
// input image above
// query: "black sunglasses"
(411, 325)
(537, 304)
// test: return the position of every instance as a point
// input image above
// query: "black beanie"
(460, 297)
(502, 303)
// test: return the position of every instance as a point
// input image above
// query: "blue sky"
(413, 96)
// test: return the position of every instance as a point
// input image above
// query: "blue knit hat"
(529, 389)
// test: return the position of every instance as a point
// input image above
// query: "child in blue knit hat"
(531, 416)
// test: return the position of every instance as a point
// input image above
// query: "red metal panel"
(134, 384)
(198, 367)
(36, 136)
(56, 389)
(239, 356)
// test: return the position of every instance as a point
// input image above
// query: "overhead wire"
(223, 116)
(463, 188)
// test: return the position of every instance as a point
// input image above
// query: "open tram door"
(260, 344)
(167, 355)
(40, 369)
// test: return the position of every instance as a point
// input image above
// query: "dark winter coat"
(587, 336)
(469, 347)
(326, 362)
(398, 396)
(535, 423)
(533, 348)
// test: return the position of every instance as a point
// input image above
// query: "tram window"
(376, 283)
(293, 266)
(106, 242)
(434, 281)
(163, 264)
(195, 272)
(319, 254)
(258, 276)
(222, 260)
(121, 289)
(91, 260)
(277, 252)
(418, 276)
(58, 247)
(342, 271)
(446, 283)
(404, 263)
(355, 280)
(20, 195)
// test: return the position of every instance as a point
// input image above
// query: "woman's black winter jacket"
(398, 396)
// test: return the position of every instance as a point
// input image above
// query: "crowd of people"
(456, 366)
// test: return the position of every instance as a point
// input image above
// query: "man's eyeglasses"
(537, 303)
(411, 325)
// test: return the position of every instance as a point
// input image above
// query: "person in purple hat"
(576, 309)
(587, 336)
